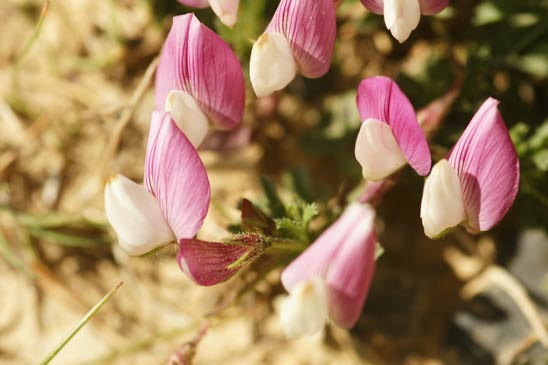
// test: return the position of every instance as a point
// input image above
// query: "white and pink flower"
(330, 280)
(199, 80)
(299, 39)
(390, 135)
(478, 182)
(170, 207)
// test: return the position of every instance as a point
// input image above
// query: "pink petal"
(351, 270)
(428, 7)
(381, 98)
(175, 175)
(488, 167)
(196, 60)
(315, 260)
(431, 7)
(199, 4)
(344, 256)
(206, 263)
(310, 27)
(375, 6)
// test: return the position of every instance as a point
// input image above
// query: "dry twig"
(498, 276)
(125, 118)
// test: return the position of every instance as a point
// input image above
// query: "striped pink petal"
(351, 270)
(197, 61)
(344, 256)
(310, 27)
(176, 177)
(380, 98)
(207, 263)
(199, 4)
(488, 168)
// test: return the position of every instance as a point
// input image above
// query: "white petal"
(272, 66)
(401, 17)
(442, 206)
(377, 150)
(226, 10)
(135, 216)
(188, 116)
(304, 311)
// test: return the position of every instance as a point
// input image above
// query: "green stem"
(79, 326)
(291, 246)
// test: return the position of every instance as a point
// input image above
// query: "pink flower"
(226, 10)
(402, 16)
(300, 38)
(332, 277)
(171, 206)
(390, 135)
(478, 182)
(199, 80)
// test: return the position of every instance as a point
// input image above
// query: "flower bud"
(402, 16)
(226, 10)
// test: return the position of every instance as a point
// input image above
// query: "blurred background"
(75, 101)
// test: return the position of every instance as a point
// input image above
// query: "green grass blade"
(28, 45)
(79, 326)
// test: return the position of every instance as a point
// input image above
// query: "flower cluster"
(200, 87)
(199, 82)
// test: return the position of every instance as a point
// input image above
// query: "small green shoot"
(79, 326)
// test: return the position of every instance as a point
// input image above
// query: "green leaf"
(309, 211)
(275, 204)
(295, 224)
(291, 228)
(539, 140)
(487, 13)
(519, 133)
(541, 160)
(301, 183)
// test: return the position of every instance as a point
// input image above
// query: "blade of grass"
(69, 240)
(55, 220)
(26, 48)
(79, 326)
